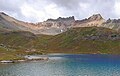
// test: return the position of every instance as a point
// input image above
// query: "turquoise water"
(66, 65)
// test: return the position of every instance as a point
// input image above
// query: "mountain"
(49, 27)
(56, 26)
(93, 35)
(11, 24)
(95, 20)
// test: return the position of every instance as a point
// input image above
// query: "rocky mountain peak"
(2, 13)
(63, 19)
(94, 20)
(116, 20)
(5, 16)
(95, 17)
(68, 18)
(113, 21)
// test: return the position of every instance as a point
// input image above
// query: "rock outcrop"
(112, 24)
(56, 26)
(95, 20)
(95, 17)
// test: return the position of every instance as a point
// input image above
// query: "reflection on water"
(66, 65)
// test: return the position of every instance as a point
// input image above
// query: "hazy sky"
(40, 10)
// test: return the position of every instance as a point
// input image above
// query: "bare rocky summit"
(56, 26)
(95, 20)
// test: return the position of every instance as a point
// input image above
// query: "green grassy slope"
(13, 44)
(16, 39)
(84, 40)
(76, 40)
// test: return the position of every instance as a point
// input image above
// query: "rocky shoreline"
(27, 58)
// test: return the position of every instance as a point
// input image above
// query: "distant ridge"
(56, 26)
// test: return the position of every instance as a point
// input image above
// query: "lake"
(66, 65)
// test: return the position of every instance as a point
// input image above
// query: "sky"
(41, 10)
